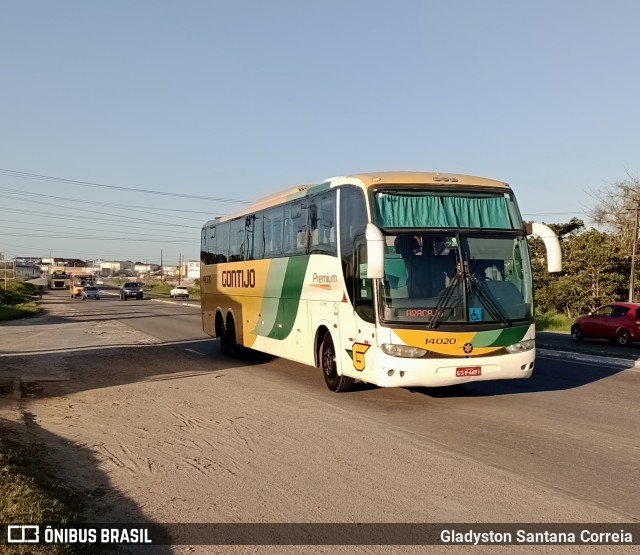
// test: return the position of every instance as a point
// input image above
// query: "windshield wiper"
(474, 286)
(486, 300)
(443, 302)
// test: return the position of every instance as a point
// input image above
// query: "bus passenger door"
(364, 313)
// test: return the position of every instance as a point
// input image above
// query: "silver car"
(90, 292)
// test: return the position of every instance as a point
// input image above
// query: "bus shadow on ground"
(550, 375)
(51, 466)
(64, 372)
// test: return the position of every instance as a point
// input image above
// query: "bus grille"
(433, 354)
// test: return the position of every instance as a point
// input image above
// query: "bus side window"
(222, 243)
(353, 222)
(255, 237)
(237, 240)
(273, 232)
(295, 228)
(204, 248)
(323, 235)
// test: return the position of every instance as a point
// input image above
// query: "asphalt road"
(562, 446)
(594, 347)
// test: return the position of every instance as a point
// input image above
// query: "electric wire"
(26, 175)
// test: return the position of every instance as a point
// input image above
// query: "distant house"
(143, 268)
(27, 270)
(110, 267)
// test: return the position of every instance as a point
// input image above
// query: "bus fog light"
(390, 373)
(521, 347)
(404, 351)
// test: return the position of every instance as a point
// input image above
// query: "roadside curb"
(626, 363)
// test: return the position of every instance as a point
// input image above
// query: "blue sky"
(235, 100)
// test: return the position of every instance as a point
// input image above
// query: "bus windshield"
(456, 278)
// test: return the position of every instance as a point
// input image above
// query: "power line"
(107, 213)
(25, 175)
(55, 216)
(98, 238)
(554, 213)
(130, 207)
(93, 229)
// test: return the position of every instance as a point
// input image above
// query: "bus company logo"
(239, 278)
(357, 354)
(324, 281)
(467, 348)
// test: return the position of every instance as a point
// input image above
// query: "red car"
(617, 322)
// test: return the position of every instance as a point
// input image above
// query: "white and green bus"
(395, 279)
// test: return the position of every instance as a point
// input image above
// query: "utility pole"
(633, 254)
(180, 269)
(161, 268)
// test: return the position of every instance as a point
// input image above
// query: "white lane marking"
(195, 352)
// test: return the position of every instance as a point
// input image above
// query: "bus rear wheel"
(228, 342)
(329, 367)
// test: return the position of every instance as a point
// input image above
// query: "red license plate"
(468, 371)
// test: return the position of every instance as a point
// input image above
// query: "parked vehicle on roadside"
(617, 322)
(90, 292)
(131, 290)
(179, 292)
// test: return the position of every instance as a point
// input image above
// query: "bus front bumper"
(420, 372)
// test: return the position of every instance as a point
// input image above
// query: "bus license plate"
(465, 371)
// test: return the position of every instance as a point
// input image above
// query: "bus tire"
(228, 340)
(327, 358)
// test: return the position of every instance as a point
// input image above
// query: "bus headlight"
(522, 346)
(404, 351)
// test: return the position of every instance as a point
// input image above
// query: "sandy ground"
(154, 433)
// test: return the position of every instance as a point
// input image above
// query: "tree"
(594, 271)
(617, 210)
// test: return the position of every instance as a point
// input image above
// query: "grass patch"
(165, 289)
(16, 301)
(160, 288)
(18, 311)
(30, 493)
(552, 321)
(17, 292)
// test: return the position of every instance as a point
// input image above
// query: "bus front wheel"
(329, 367)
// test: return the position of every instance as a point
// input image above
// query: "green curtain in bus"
(441, 211)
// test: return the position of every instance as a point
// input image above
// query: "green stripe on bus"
(486, 338)
(509, 336)
(290, 297)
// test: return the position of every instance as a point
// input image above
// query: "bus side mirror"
(375, 252)
(551, 243)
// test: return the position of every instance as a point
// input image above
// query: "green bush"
(17, 292)
(553, 321)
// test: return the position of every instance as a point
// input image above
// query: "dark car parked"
(617, 322)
